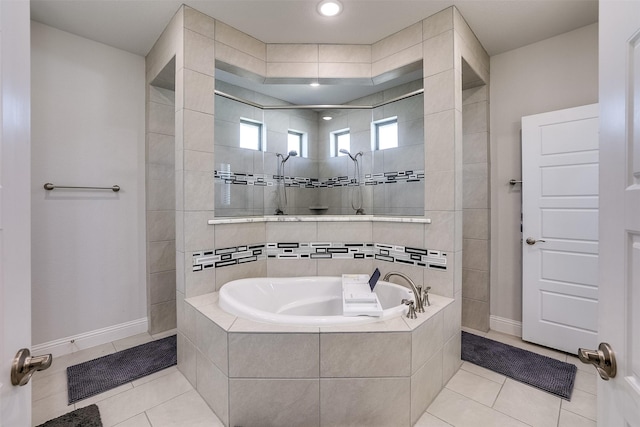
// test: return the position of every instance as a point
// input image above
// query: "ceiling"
(134, 25)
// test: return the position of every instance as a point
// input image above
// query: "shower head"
(343, 151)
(291, 153)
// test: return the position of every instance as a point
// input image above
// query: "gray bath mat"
(84, 417)
(104, 373)
(539, 371)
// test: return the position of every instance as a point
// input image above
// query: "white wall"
(553, 74)
(88, 247)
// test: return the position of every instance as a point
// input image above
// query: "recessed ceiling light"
(314, 84)
(327, 117)
(329, 7)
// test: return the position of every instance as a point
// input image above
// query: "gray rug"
(84, 417)
(99, 375)
(539, 371)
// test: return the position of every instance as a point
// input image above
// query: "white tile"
(461, 411)
(102, 396)
(428, 420)
(582, 403)
(139, 420)
(569, 419)
(587, 381)
(527, 404)
(154, 376)
(132, 402)
(474, 387)
(483, 372)
(185, 410)
(48, 385)
(50, 407)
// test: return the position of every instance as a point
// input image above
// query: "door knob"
(604, 360)
(24, 366)
(532, 241)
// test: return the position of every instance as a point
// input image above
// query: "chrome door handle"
(532, 241)
(24, 366)
(604, 360)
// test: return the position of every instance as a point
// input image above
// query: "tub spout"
(417, 290)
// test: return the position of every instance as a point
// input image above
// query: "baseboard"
(506, 326)
(74, 343)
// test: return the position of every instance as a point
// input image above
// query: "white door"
(560, 228)
(619, 311)
(15, 222)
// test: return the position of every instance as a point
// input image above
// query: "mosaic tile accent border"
(235, 255)
(263, 180)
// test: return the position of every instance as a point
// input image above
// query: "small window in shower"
(386, 133)
(250, 134)
(296, 141)
(340, 140)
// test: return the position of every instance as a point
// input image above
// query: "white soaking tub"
(303, 301)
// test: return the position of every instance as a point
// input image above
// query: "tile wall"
(475, 200)
(160, 194)
(198, 41)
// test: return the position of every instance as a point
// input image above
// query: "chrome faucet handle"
(411, 314)
(425, 296)
(419, 300)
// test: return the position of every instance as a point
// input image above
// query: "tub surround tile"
(365, 355)
(274, 402)
(213, 386)
(273, 355)
(425, 385)
(211, 340)
(451, 357)
(395, 324)
(365, 402)
(187, 358)
(202, 300)
(378, 343)
(426, 341)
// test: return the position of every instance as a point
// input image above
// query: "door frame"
(15, 204)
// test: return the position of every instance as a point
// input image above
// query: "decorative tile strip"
(263, 180)
(235, 255)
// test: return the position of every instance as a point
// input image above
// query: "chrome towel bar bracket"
(50, 186)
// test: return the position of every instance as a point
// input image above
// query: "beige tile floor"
(473, 397)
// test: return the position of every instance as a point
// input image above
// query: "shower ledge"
(319, 218)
